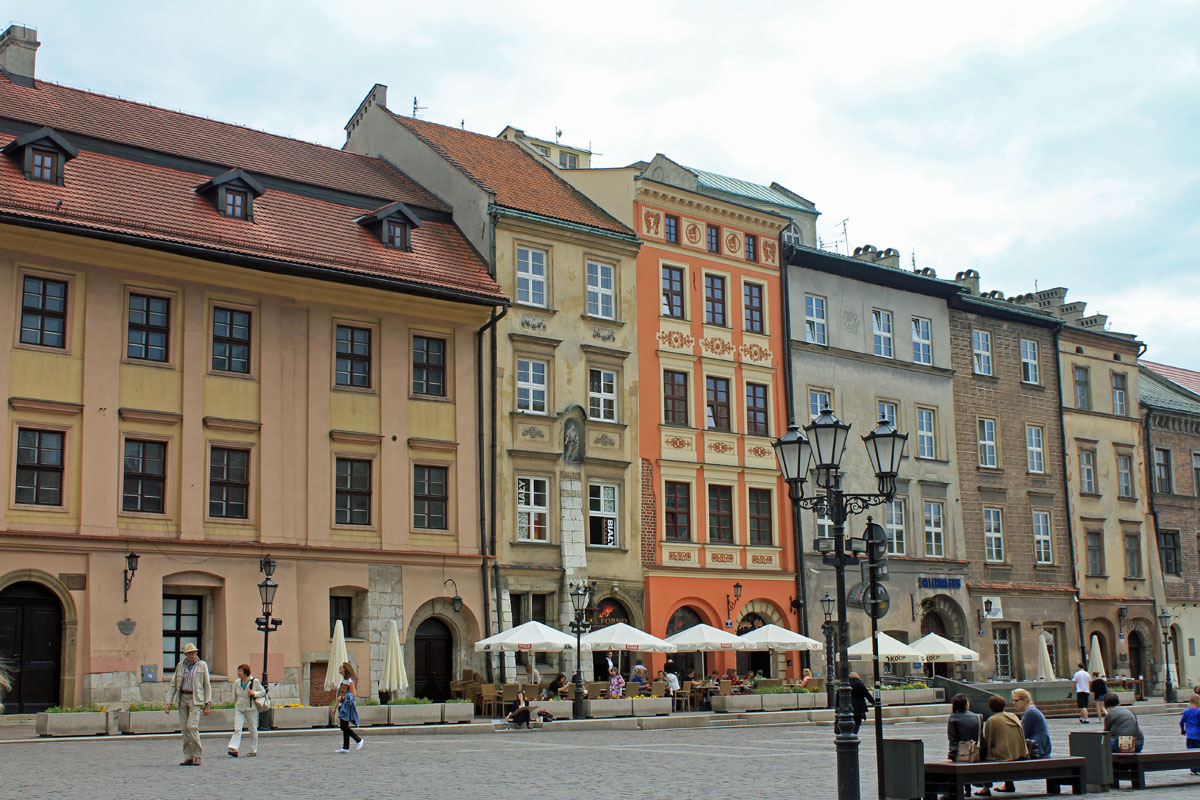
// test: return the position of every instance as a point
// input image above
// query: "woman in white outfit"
(245, 690)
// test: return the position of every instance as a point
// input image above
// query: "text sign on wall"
(939, 583)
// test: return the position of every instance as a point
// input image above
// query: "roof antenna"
(914, 259)
(557, 134)
(845, 234)
(463, 123)
(417, 108)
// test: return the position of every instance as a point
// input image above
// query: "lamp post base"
(846, 745)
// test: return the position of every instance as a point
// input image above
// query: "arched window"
(684, 618)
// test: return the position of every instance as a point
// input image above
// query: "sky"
(1042, 143)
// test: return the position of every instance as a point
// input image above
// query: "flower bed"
(413, 711)
(605, 709)
(735, 703)
(77, 721)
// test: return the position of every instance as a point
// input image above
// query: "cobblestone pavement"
(725, 763)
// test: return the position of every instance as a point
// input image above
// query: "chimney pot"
(18, 53)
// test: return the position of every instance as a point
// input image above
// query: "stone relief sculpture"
(572, 442)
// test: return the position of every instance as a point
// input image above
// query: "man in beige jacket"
(190, 688)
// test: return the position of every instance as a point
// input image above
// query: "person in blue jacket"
(1189, 725)
(348, 709)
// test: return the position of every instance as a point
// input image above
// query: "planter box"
(651, 706)
(308, 717)
(809, 700)
(83, 723)
(419, 714)
(598, 709)
(559, 709)
(892, 697)
(465, 712)
(939, 695)
(218, 719)
(779, 702)
(918, 696)
(737, 703)
(1127, 698)
(148, 722)
(372, 715)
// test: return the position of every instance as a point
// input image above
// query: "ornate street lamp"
(827, 629)
(456, 601)
(131, 565)
(794, 454)
(1164, 621)
(266, 623)
(581, 597)
(737, 595)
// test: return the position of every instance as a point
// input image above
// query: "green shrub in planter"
(90, 708)
(410, 701)
(218, 706)
(368, 701)
(145, 707)
(460, 700)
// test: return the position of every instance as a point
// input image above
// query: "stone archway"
(70, 625)
(463, 627)
(953, 618)
(764, 609)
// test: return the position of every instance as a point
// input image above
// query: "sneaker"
(360, 744)
(341, 750)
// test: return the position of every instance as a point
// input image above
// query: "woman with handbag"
(249, 698)
(963, 731)
(347, 709)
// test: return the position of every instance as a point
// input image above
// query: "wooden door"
(434, 660)
(30, 642)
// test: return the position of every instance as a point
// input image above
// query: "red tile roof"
(517, 179)
(175, 133)
(1184, 377)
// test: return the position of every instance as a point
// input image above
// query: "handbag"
(263, 701)
(1126, 744)
(968, 752)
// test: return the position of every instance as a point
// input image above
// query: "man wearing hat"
(191, 689)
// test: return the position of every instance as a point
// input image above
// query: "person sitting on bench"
(1122, 723)
(1003, 739)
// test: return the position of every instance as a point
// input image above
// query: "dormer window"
(44, 166)
(233, 193)
(395, 235)
(236, 204)
(41, 154)
(393, 224)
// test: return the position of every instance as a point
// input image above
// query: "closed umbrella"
(940, 649)
(394, 679)
(532, 637)
(620, 636)
(1095, 658)
(337, 657)
(706, 638)
(1045, 666)
(891, 650)
(773, 637)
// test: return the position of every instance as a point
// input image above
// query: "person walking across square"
(1083, 692)
(1189, 725)
(246, 690)
(347, 710)
(192, 691)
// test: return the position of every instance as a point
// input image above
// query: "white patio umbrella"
(891, 650)
(620, 636)
(773, 637)
(1045, 667)
(940, 649)
(532, 637)
(706, 638)
(1095, 658)
(337, 657)
(394, 678)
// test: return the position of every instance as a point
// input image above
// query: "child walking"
(1189, 725)
(348, 709)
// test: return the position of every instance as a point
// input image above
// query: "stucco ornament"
(126, 626)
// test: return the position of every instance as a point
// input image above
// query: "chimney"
(18, 53)
(968, 278)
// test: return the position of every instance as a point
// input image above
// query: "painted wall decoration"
(755, 352)
(676, 340)
(733, 244)
(691, 232)
(769, 252)
(721, 447)
(678, 442)
(718, 346)
(652, 223)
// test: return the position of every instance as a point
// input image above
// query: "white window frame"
(1087, 471)
(1031, 371)
(568, 160)
(881, 332)
(604, 502)
(981, 352)
(1043, 537)
(531, 276)
(926, 434)
(531, 515)
(1035, 448)
(604, 400)
(893, 524)
(601, 298)
(988, 454)
(813, 394)
(993, 534)
(922, 334)
(883, 407)
(1120, 394)
(526, 382)
(1002, 641)
(935, 529)
(1125, 476)
(824, 527)
(816, 325)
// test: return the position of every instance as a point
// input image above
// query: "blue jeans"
(1194, 744)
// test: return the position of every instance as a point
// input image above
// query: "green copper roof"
(751, 191)
(1161, 395)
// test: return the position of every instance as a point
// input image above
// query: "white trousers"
(250, 720)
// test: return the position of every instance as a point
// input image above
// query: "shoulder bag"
(1126, 744)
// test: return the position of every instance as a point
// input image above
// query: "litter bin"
(1096, 747)
(904, 778)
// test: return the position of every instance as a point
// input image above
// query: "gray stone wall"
(385, 602)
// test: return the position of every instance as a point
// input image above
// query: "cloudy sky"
(1042, 143)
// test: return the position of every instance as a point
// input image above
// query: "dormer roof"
(46, 137)
(396, 210)
(234, 178)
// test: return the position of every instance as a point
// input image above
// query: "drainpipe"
(801, 601)
(1062, 431)
(492, 217)
(484, 549)
(1150, 490)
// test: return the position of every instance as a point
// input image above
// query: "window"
(352, 492)
(1042, 542)
(1196, 474)
(1087, 471)
(352, 367)
(760, 516)
(567, 160)
(602, 515)
(1168, 552)
(752, 296)
(1118, 394)
(677, 511)
(231, 340)
(1124, 476)
(531, 386)
(149, 327)
(672, 292)
(228, 483)
(602, 394)
(885, 409)
(542, 149)
(814, 319)
(1035, 448)
(145, 476)
(717, 404)
(180, 626)
(987, 442)
(756, 409)
(675, 397)
(671, 228)
(431, 497)
(926, 433)
(993, 534)
(818, 401)
(720, 514)
(429, 366)
(39, 467)
(1095, 553)
(1030, 369)
(714, 300)
(600, 290)
(922, 336)
(341, 609)
(235, 203)
(751, 247)
(1002, 650)
(981, 352)
(395, 235)
(531, 276)
(1133, 555)
(44, 166)
(935, 545)
(533, 509)
(714, 238)
(881, 329)
(824, 527)
(1083, 392)
(893, 523)
(43, 312)
(792, 235)
(1162, 470)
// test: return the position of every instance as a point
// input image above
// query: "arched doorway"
(684, 618)
(932, 622)
(748, 660)
(434, 659)
(31, 635)
(1137, 654)
(610, 611)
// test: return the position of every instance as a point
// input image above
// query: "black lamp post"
(131, 564)
(827, 629)
(266, 623)
(581, 597)
(794, 455)
(1164, 621)
(737, 595)
(826, 436)
(456, 601)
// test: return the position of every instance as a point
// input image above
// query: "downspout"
(1062, 432)
(1150, 491)
(484, 549)
(492, 217)
(801, 601)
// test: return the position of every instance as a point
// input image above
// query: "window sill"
(989, 376)
(240, 376)
(998, 564)
(345, 526)
(1045, 565)
(932, 459)
(606, 547)
(155, 515)
(1127, 498)
(433, 531)
(365, 390)
(37, 507)
(533, 542)
(431, 398)
(146, 362)
(1095, 495)
(244, 522)
(1097, 576)
(990, 470)
(42, 348)
(674, 319)
(605, 320)
(1132, 578)
(679, 426)
(526, 413)
(529, 307)
(1041, 387)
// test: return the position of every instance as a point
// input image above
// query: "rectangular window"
(39, 467)
(935, 544)
(752, 300)
(235, 204)
(926, 433)
(43, 166)
(145, 476)
(602, 394)
(720, 514)
(231, 340)
(149, 328)
(981, 352)
(885, 409)
(1035, 450)
(341, 609)
(1030, 369)
(43, 312)
(228, 483)
(760, 517)
(922, 337)
(881, 330)
(531, 385)
(1087, 471)
(531, 276)
(180, 626)
(429, 366)
(1133, 555)
(1118, 394)
(1168, 552)
(814, 319)
(714, 239)
(1124, 476)
(602, 515)
(1083, 391)
(352, 366)
(537, 608)
(395, 235)
(1043, 550)
(568, 160)
(987, 442)
(352, 492)
(1163, 477)
(672, 292)
(431, 497)
(717, 418)
(677, 511)
(818, 401)
(675, 397)
(751, 247)
(1196, 474)
(533, 509)
(600, 290)
(1002, 650)
(714, 300)
(993, 534)
(1095, 553)
(756, 409)
(893, 523)
(824, 527)
(671, 228)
